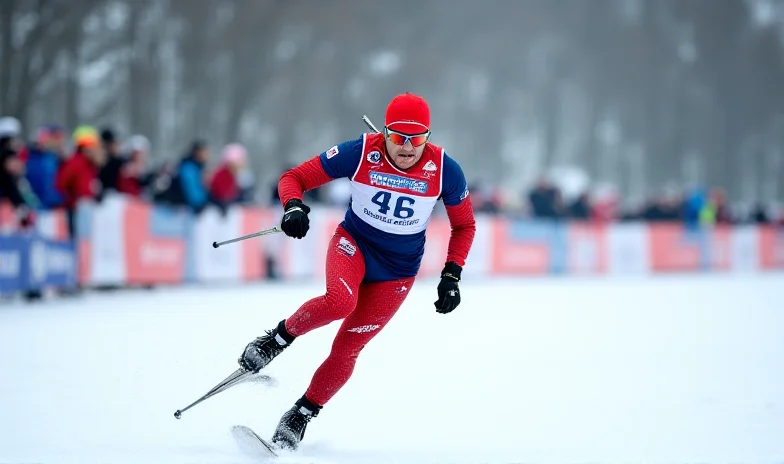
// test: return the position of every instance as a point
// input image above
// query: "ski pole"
(271, 230)
(277, 229)
(370, 124)
(236, 377)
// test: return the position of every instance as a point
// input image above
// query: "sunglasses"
(398, 138)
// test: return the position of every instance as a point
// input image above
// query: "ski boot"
(264, 349)
(291, 429)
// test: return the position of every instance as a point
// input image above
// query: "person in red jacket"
(224, 186)
(397, 177)
(77, 178)
(133, 177)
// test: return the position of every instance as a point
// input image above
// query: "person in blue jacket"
(44, 158)
(191, 177)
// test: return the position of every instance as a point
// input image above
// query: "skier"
(397, 177)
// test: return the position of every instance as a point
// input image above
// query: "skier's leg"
(378, 302)
(345, 268)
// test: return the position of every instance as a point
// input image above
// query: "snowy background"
(622, 302)
(668, 369)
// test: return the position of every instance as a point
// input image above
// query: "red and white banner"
(122, 242)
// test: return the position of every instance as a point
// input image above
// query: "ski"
(252, 444)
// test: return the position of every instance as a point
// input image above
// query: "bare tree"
(685, 90)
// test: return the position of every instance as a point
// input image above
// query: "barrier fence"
(122, 242)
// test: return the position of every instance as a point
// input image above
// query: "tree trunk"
(250, 64)
(7, 9)
(72, 91)
(135, 80)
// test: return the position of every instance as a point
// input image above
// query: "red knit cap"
(409, 114)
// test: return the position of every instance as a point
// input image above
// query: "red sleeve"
(461, 218)
(307, 176)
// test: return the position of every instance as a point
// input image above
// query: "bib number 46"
(401, 209)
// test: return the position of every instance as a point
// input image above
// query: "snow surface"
(588, 370)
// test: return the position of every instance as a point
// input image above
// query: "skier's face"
(403, 149)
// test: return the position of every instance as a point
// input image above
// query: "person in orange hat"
(397, 177)
(77, 178)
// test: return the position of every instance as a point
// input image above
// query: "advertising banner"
(771, 247)
(13, 263)
(676, 248)
(524, 248)
(155, 243)
(587, 248)
(32, 262)
(51, 264)
(628, 249)
(127, 242)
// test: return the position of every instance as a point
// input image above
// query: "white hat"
(10, 126)
(138, 143)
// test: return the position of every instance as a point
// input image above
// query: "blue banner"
(51, 264)
(13, 263)
(31, 262)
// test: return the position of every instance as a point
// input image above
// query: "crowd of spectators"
(694, 207)
(57, 168)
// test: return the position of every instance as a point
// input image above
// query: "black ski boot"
(264, 349)
(291, 428)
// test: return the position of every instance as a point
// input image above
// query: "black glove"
(448, 291)
(295, 220)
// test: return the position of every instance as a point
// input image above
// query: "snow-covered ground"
(656, 370)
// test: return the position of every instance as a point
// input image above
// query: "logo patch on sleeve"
(332, 152)
(345, 247)
(464, 195)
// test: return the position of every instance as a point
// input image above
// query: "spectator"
(605, 203)
(580, 209)
(132, 177)
(225, 186)
(14, 186)
(544, 200)
(486, 197)
(715, 210)
(10, 128)
(45, 157)
(110, 171)
(656, 210)
(693, 204)
(189, 184)
(162, 182)
(78, 177)
(760, 214)
(246, 182)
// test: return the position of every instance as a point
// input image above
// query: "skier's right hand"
(295, 221)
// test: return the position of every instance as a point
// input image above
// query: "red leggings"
(366, 307)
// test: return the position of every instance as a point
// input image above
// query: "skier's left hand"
(448, 290)
(295, 221)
